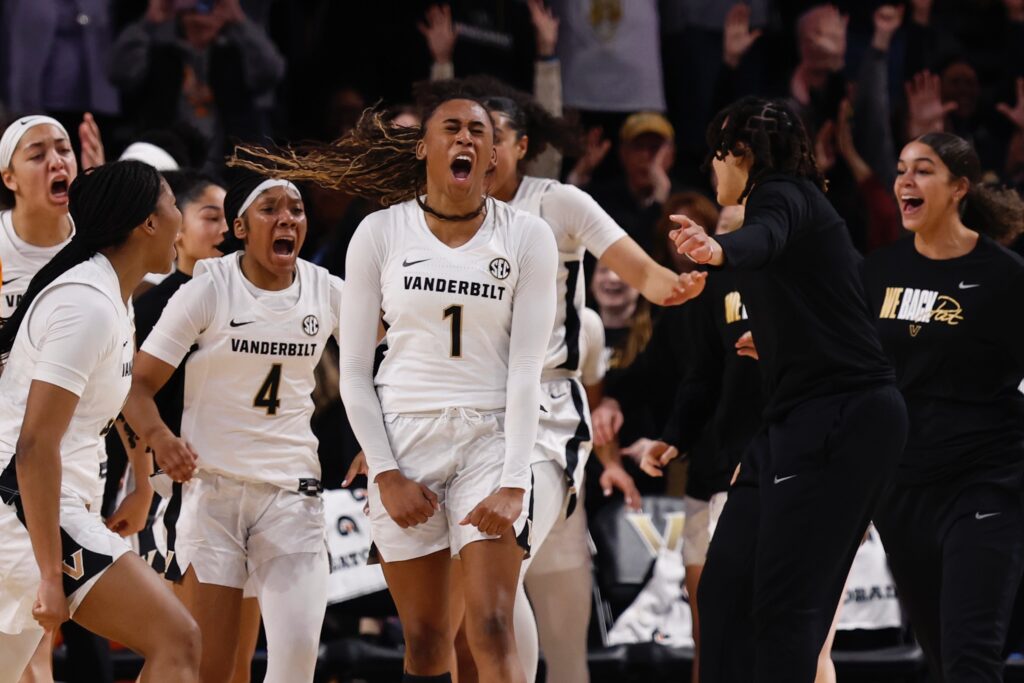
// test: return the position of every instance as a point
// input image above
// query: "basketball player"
(67, 373)
(465, 286)
(251, 518)
(946, 303)
(834, 421)
(201, 201)
(37, 166)
(579, 226)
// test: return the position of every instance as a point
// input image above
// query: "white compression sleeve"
(360, 314)
(533, 317)
(292, 590)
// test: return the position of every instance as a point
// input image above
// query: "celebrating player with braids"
(834, 421)
(466, 286)
(69, 369)
(523, 129)
(251, 517)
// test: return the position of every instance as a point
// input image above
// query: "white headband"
(148, 153)
(263, 187)
(12, 136)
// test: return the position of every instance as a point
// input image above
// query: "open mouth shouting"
(59, 189)
(284, 246)
(910, 205)
(462, 166)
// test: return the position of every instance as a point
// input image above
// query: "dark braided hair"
(106, 203)
(526, 116)
(188, 185)
(374, 160)
(771, 132)
(989, 209)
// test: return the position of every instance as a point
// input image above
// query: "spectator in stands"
(202, 62)
(59, 65)
(635, 199)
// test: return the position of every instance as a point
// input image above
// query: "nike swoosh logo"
(7, 282)
(978, 515)
(963, 286)
(406, 263)
(555, 398)
(779, 480)
(247, 322)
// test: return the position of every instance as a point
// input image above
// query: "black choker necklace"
(455, 219)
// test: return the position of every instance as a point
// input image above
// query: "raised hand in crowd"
(440, 33)
(737, 36)
(660, 163)
(1015, 114)
(545, 25)
(844, 143)
(91, 141)
(595, 149)
(828, 38)
(926, 112)
(607, 420)
(159, 11)
(887, 20)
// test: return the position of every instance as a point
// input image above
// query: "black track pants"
(787, 537)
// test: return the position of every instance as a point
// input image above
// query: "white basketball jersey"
(21, 261)
(83, 456)
(579, 225)
(447, 311)
(249, 384)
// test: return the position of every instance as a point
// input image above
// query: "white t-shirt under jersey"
(580, 225)
(249, 383)
(21, 261)
(466, 326)
(77, 335)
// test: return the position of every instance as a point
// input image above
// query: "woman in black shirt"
(834, 421)
(947, 303)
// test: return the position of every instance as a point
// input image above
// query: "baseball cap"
(646, 122)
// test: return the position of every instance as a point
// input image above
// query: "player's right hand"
(175, 457)
(51, 607)
(406, 502)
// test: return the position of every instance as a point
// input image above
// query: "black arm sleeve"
(773, 213)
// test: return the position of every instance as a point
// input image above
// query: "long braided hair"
(106, 202)
(769, 130)
(375, 160)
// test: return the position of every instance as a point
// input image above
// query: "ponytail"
(106, 203)
(993, 211)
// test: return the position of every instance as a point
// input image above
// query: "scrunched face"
(273, 229)
(42, 169)
(458, 147)
(926, 190)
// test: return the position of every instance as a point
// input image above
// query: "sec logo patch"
(310, 325)
(500, 268)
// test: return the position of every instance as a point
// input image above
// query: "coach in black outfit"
(947, 304)
(835, 423)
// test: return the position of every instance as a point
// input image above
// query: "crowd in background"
(641, 78)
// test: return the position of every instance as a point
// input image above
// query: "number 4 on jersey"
(266, 397)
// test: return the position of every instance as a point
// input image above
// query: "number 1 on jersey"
(455, 313)
(266, 397)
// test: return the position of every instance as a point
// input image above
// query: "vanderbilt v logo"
(76, 570)
(655, 541)
(914, 329)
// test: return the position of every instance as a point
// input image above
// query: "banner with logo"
(348, 541)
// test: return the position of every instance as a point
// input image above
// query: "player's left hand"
(496, 513)
(745, 346)
(131, 515)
